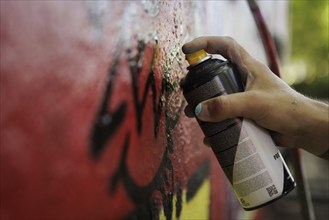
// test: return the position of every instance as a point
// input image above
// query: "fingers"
(225, 46)
(282, 140)
(228, 48)
(230, 106)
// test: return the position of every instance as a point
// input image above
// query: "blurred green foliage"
(309, 20)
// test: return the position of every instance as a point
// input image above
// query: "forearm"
(315, 131)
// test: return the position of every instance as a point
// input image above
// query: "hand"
(292, 119)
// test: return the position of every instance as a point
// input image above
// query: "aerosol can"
(246, 153)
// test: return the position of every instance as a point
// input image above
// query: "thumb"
(228, 106)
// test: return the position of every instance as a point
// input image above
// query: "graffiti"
(107, 122)
(135, 69)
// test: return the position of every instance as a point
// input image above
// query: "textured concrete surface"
(91, 113)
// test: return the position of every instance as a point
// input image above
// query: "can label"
(247, 154)
(254, 166)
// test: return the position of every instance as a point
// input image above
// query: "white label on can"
(258, 170)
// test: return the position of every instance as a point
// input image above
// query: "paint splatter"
(151, 7)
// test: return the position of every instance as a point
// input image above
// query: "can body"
(246, 153)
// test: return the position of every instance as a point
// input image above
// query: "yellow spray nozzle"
(193, 58)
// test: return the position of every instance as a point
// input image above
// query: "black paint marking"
(135, 64)
(147, 206)
(107, 122)
(179, 201)
(196, 179)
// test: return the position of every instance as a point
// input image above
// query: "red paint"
(54, 66)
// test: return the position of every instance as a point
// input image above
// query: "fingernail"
(201, 112)
(198, 109)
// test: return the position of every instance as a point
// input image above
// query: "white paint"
(151, 7)
(97, 11)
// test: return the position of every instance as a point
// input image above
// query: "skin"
(293, 119)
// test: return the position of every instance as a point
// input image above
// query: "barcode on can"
(272, 190)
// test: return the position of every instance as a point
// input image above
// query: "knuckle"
(214, 107)
(218, 107)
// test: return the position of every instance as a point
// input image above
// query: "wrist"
(315, 127)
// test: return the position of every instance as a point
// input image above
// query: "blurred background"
(307, 68)
(307, 71)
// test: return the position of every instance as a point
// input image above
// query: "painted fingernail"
(198, 109)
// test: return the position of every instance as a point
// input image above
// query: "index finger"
(228, 48)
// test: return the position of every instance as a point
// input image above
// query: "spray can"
(246, 153)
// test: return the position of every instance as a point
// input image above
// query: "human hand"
(292, 119)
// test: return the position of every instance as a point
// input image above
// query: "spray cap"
(196, 57)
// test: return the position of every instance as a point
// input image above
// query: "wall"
(92, 122)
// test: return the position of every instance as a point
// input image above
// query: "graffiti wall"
(92, 122)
